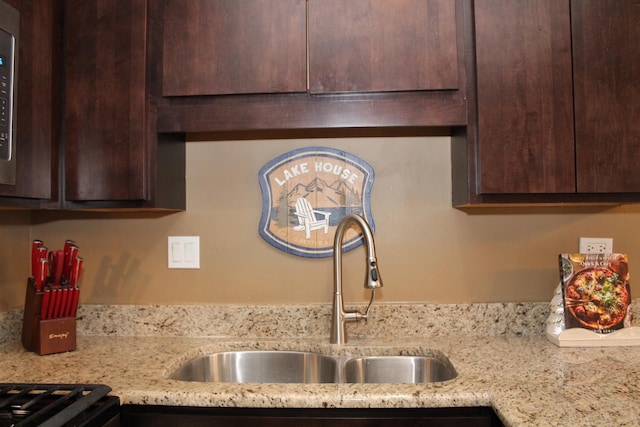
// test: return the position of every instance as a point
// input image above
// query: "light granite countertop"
(524, 377)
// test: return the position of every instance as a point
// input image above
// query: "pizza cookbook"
(596, 291)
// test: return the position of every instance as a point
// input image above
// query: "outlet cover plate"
(596, 245)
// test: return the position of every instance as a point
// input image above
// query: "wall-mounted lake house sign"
(305, 194)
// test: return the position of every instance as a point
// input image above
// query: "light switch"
(177, 251)
(184, 252)
(190, 252)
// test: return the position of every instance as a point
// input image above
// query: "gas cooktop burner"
(57, 405)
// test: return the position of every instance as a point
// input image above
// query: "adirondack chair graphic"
(307, 219)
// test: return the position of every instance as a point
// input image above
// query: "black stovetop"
(57, 405)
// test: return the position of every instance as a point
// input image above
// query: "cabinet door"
(525, 99)
(36, 108)
(381, 45)
(105, 114)
(214, 47)
(606, 49)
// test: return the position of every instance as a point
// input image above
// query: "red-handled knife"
(44, 310)
(56, 263)
(62, 302)
(76, 269)
(73, 254)
(42, 251)
(40, 275)
(67, 244)
(70, 252)
(53, 300)
(35, 255)
(74, 302)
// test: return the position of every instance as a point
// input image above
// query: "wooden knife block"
(45, 336)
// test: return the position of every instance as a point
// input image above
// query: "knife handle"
(52, 303)
(56, 263)
(76, 269)
(45, 303)
(39, 253)
(73, 254)
(35, 255)
(40, 273)
(62, 301)
(70, 251)
(74, 303)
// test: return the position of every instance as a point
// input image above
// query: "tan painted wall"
(428, 251)
(15, 263)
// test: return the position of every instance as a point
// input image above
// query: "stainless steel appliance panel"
(9, 28)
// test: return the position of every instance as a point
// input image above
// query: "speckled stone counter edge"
(309, 321)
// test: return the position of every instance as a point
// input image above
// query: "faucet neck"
(372, 280)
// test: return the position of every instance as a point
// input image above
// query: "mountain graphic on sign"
(323, 195)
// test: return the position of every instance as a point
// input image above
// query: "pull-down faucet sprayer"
(372, 279)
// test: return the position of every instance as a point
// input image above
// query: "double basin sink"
(274, 366)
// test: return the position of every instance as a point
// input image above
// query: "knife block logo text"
(62, 336)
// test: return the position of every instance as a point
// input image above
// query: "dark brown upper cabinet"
(234, 47)
(377, 46)
(216, 47)
(297, 64)
(525, 99)
(113, 157)
(606, 67)
(552, 117)
(37, 107)
(542, 95)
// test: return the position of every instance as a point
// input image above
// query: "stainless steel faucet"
(372, 279)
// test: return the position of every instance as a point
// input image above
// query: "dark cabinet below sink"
(134, 416)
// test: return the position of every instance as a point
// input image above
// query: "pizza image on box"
(596, 291)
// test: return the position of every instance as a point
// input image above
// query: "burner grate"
(56, 405)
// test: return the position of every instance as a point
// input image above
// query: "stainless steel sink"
(397, 369)
(259, 367)
(267, 366)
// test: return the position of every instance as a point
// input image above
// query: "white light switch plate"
(184, 252)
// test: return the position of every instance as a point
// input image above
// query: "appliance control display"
(7, 47)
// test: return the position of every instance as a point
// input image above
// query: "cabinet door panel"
(380, 45)
(105, 115)
(214, 47)
(525, 104)
(36, 107)
(606, 46)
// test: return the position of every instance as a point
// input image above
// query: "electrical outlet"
(596, 245)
